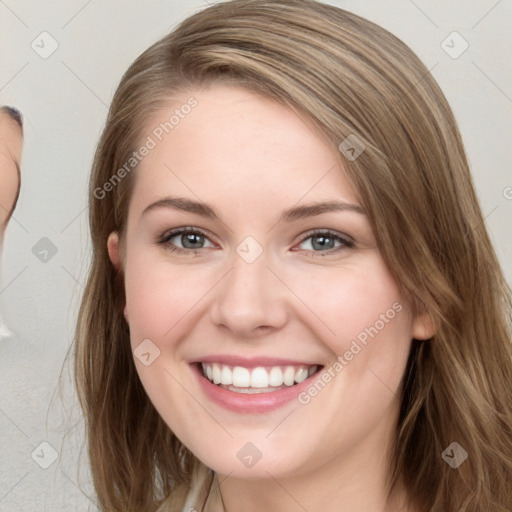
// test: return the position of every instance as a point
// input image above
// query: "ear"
(115, 257)
(113, 249)
(423, 327)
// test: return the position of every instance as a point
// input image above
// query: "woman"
(293, 303)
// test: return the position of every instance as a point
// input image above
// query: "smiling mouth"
(261, 379)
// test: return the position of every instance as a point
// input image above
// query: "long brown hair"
(349, 77)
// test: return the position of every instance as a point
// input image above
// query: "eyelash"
(166, 237)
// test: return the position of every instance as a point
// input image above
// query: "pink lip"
(255, 403)
(250, 362)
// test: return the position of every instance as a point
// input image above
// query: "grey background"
(64, 99)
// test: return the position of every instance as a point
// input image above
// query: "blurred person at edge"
(11, 143)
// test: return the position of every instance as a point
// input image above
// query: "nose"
(250, 301)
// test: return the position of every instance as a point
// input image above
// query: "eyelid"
(347, 241)
(326, 231)
(170, 233)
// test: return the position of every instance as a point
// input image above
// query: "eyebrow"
(289, 215)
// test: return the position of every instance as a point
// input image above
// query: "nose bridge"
(249, 297)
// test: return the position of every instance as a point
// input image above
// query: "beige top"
(203, 496)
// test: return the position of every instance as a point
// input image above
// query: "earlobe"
(113, 249)
(423, 326)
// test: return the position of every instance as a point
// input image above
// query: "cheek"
(160, 295)
(356, 301)
(365, 324)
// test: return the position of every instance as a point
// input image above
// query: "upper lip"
(250, 362)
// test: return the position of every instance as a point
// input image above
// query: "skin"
(251, 158)
(11, 140)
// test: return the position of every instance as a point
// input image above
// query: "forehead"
(238, 148)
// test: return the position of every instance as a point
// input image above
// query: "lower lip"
(255, 403)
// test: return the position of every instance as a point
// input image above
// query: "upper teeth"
(259, 377)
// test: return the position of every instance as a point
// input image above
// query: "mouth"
(256, 380)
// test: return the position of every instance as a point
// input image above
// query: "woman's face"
(231, 261)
